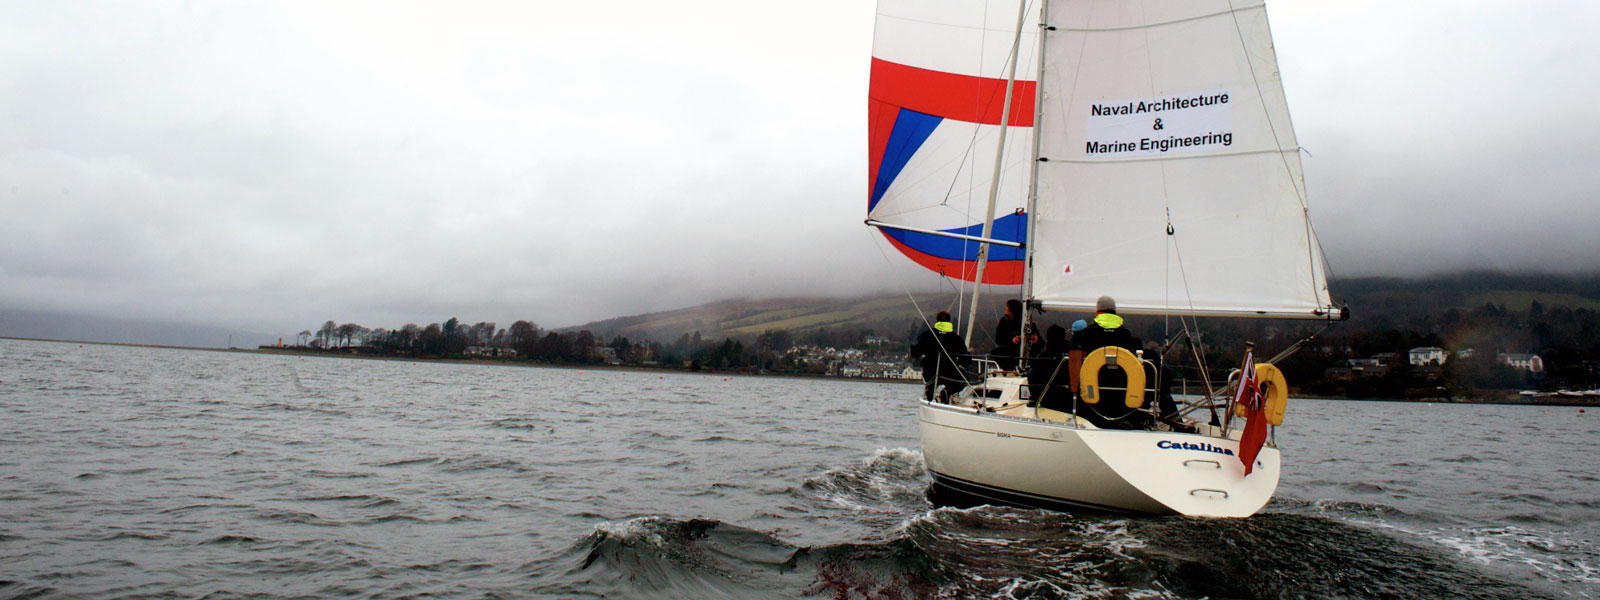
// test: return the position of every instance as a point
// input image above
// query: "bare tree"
(347, 331)
(327, 332)
(408, 335)
(523, 332)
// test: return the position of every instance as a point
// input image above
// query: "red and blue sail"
(935, 105)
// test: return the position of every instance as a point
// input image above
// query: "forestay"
(1161, 113)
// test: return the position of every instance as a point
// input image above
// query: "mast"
(1033, 179)
(999, 161)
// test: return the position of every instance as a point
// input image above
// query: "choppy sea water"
(144, 472)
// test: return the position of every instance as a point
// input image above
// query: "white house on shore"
(1428, 355)
(1525, 362)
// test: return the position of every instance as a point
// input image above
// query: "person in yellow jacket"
(1105, 329)
(943, 354)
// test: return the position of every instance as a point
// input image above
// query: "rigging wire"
(1313, 247)
(921, 314)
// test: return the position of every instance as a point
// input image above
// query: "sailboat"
(1139, 149)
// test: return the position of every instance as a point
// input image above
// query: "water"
(143, 472)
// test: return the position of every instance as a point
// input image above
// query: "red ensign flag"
(1255, 431)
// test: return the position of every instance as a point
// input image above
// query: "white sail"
(1170, 112)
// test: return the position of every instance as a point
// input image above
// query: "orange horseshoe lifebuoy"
(1274, 388)
(1112, 356)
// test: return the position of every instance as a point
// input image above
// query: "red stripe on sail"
(880, 123)
(997, 272)
(949, 95)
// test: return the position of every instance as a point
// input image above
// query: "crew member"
(1049, 384)
(1106, 329)
(942, 353)
(1008, 337)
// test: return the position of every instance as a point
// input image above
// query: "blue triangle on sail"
(911, 129)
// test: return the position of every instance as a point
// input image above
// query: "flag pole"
(1233, 399)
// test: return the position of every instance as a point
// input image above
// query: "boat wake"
(892, 480)
(1009, 553)
(1305, 550)
(654, 557)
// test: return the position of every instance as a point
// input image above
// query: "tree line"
(772, 351)
(1566, 339)
(1389, 317)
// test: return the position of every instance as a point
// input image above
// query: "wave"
(891, 480)
(464, 464)
(1552, 556)
(232, 539)
(18, 590)
(362, 500)
(655, 556)
(1012, 553)
(1341, 509)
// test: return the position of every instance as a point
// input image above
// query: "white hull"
(1012, 457)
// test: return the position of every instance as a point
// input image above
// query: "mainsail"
(937, 94)
(1168, 174)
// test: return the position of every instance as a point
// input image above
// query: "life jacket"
(1108, 320)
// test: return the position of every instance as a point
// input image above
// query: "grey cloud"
(273, 167)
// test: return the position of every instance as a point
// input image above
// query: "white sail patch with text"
(1187, 122)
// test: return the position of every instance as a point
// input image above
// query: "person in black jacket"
(1049, 385)
(1008, 337)
(1106, 329)
(942, 354)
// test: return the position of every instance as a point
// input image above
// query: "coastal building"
(1338, 374)
(607, 354)
(1428, 355)
(1369, 367)
(1525, 362)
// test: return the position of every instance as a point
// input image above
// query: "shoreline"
(1500, 397)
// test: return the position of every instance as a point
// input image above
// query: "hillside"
(1555, 317)
(1375, 303)
(889, 315)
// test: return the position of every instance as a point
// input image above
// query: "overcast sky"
(270, 166)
